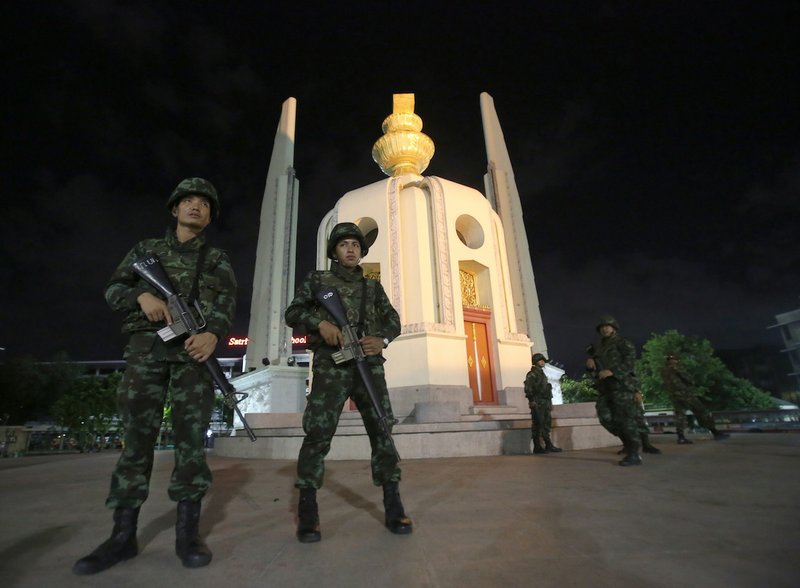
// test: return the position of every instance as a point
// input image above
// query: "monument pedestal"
(272, 389)
(481, 431)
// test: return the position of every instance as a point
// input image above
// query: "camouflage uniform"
(155, 367)
(616, 405)
(683, 398)
(606, 418)
(539, 393)
(332, 384)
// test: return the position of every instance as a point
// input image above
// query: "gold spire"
(403, 149)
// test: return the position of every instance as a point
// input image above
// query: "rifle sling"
(363, 311)
(201, 257)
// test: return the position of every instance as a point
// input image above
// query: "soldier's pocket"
(210, 291)
(140, 343)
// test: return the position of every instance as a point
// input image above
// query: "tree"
(581, 390)
(29, 388)
(88, 408)
(713, 381)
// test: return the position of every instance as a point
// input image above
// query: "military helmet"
(342, 231)
(538, 356)
(197, 186)
(607, 319)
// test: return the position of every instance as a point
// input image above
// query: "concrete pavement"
(709, 514)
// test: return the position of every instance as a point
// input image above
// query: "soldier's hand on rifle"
(201, 346)
(531, 404)
(331, 334)
(154, 308)
(603, 374)
(371, 345)
(590, 365)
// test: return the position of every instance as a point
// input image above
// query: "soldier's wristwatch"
(385, 342)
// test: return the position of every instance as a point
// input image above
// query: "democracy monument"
(456, 265)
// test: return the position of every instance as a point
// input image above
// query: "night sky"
(656, 147)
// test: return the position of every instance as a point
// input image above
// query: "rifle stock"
(330, 300)
(149, 268)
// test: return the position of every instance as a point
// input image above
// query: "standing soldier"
(377, 321)
(613, 360)
(539, 393)
(154, 367)
(682, 395)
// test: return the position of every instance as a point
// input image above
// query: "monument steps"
(484, 431)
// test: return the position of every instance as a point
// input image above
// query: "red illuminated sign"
(297, 340)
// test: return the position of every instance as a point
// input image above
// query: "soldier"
(604, 415)
(613, 360)
(682, 395)
(539, 393)
(378, 324)
(198, 272)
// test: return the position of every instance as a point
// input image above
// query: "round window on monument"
(469, 231)
(369, 228)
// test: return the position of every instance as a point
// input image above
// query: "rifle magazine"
(167, 333)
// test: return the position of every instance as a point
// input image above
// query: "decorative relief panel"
(469, 290)
(442, 250)
(502, 271)
(427, 328)
(393, 198)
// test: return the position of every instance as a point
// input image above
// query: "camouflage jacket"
(617, 354)
(676, 382)
(305, 313)
(536, 385)
(216, 284)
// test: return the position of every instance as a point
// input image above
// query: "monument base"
(272, 389)
(481, 431)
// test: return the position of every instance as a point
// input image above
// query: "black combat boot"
(189, 547)
(396, 520)
(624, 449)
(631, 459)
(549, 447)
(119, 547)
(683, 440)
(648, 447)
(537, 446)
(308, 517)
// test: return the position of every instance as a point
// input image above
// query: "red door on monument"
(479, 359)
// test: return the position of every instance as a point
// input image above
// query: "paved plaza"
(711, 514)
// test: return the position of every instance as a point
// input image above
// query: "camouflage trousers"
(331, 386)
(541, 419)
(681, 404)
(617, 411)
(605, 418)
(141, 396)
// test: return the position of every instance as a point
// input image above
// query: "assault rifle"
(149, 268)
(330, 300)
(590, 351)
